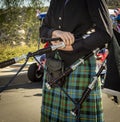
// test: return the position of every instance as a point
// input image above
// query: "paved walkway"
(22, 103)
(8, 72)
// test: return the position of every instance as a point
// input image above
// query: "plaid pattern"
(56, 106)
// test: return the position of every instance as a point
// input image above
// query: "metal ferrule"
(61, 45)
(20, 58)
(88, 33)
(73, 67)
(91, 86)
(85, 36)
(48, 86)
(73, 113)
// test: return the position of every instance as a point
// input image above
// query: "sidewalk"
(8, 72)
(22, 103)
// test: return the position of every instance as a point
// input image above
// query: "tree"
(17, 3)
(113, 3)
(18, 20)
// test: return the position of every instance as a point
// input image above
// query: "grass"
(8, 52)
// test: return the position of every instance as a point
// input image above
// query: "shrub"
(8, 52)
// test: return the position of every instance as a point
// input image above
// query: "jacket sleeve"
(46, 29)
(103, 28)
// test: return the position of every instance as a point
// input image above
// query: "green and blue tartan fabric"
(56, 106)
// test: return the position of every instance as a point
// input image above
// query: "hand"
(67, 37)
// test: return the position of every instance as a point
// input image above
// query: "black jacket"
(77, 17)
(112, 80)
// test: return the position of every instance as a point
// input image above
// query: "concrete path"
(22, 103)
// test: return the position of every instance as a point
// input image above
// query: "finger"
(64, 39)
(55, 42)
(71, 38)
(68, 38)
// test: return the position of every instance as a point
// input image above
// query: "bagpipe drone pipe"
(30, 54)
(26, 57)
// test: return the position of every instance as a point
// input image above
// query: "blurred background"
(19, 25)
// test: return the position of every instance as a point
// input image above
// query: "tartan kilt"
(56, 106)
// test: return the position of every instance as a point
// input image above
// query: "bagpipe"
(26, 57)
(31, 54)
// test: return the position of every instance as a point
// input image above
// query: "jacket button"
(59, 27)
(60, 18)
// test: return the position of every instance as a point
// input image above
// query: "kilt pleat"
(56, 106)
